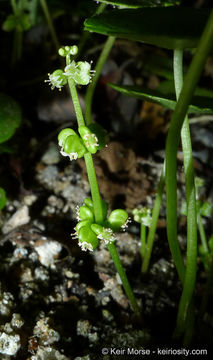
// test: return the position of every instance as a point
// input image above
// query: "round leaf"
(10, 117)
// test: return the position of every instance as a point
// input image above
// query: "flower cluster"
(89, 233)
(143, 216)
(92, 138)
(79, 71)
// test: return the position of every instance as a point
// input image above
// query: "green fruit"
(87, 238)
(74, 147)
(85, 213)
(117, 219)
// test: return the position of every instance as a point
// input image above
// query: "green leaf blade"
(200, 104)
(135, 4)
(167, 27)
(10, 117)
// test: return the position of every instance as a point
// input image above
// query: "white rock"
(48, 251)
(21, 217)
(9, 344)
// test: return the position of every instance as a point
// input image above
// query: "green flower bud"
(90, 140)
(68, 50)
(57, 79)
(105, 234)
(73, 50)
(117, 219)
(85, 213)
(87, 238)
(62, 52)
(143, 216)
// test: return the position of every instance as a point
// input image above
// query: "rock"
(52, 155)
(44, 331)
(21, 217)
(6, 303)
(48, 353)
(9, 344)
(48, 250)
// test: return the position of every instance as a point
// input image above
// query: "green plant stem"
(190, 321)
(50, 24)
(202, 233)
(94, 188)
(97, 200)
(88, 157)
(14, 6)
(143, 240)
(17, 46)
(33, 13)
(207, 289)
(100, 9)
(17, 39)
(173, 138)
(113, 252)
(98, 68)
(76, 103)
(153, 226)
(191, 263)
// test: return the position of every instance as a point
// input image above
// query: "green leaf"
(200, 104)
(134, 4)
(206, 209)
(10, 23)
(167, 87)
(167, 27)
(10, 117)
(24, 22)
(3, 198)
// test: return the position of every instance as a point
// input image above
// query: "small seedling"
(94, 225)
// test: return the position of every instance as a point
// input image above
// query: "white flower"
(85, 246)
(106, 235)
